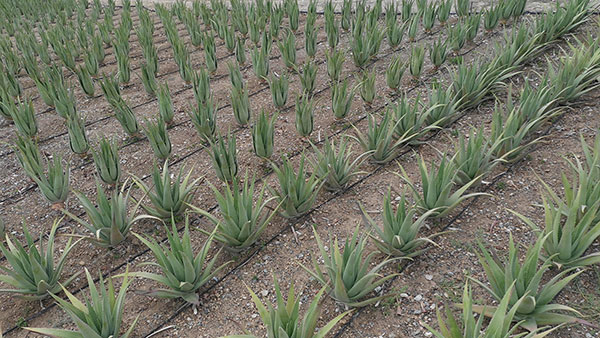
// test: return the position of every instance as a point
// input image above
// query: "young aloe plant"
(229, 39)
(437, 185)
(417, 58)
(107, 161)
(474, 158)
(77, 135)
(126, 118)
(183, 273)
(241, 106)
(204, 118)
(284, 321)
(350, 278)
(210, 51)
(98, 316)
(165, 105)
(443, 11)
(224, 157)
(201, 86)
(243, 220)
(397, 236)
(29, 156)
(413, 26)
(235, 75)
(310, 40)
(406, 10)
(367, 87)
(441, 106)
(54, 185)
(263, 135)
(157, 135)
(85, 80)
(336, 166)
(500, 325)
(429, 14)
(409, 120)
(491, 17)
(260, 63)
(305, 111)
(287, 48)
(110, 88)
(296, 192)
(571, 228)
(341, 99)
(438, 53)
(23, 115)
(332, 28)
(308, 77)
(279, 90)
(335, 61)
(462, 7)
(110, 221)
(379, 139)
(394, 73)
(360, 49)
(240, 51)
(457, 36)
(32, 271)
(169, 198)
(473, 23)
(536, 309)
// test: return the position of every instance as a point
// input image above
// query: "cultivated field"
(379, 157)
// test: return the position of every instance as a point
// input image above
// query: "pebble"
(264, 293)
(429, 277)
(404, 295)
(418, 298)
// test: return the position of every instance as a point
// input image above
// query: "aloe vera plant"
(287, 48)
(336, 166)
(428, 16)
(473, 22)
(29, 156)
(165, 105)
(305, 111)
(32, 271)
(335, 61)
(204, 118)
(127, 118)
(341, 99)
(500, 325)
(406, 10)
(394, 73)
(379, 139)
(395, 33)
(570, 228)
(367, 87)
(77, 135)
(417, 58)
(413, 25)
(279, 90)
(54, 185)
(169, 198)
(398, 234)
(284, 321)
(263, 135)
(182, 272)
(296, 193)
(210, 52)
(99, 316)
(260, 63)
(474, 157)
(241, 106)
(443, 11)
(23, 116)
(437, 184)
(462, 7)
(537, 308)
(201, 86)
(490, 18)
(85, 80)
(457, 36)
(224, 157)
(438, 53)
(349, 279)
(111, 220)
(107, 161)
(310, 40)
(308, 77)
(441, 106)
(235, 75)
(243, 219)
(240, 51)
(409, 120)
(157, 135)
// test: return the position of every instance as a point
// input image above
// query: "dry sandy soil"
(430, 281)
